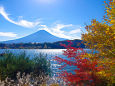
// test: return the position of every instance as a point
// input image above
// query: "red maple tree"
(84, 71)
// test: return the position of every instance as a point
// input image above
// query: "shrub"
(41, 65)
(86, 70)
(11, 64)
(24, 80)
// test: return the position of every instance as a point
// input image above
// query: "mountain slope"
(40, 37)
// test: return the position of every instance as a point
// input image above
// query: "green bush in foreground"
(41, 65)
(11, 64)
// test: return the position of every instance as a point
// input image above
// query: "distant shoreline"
(55, 45)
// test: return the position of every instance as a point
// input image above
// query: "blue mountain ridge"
(41, 36)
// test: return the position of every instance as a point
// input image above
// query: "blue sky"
(62, 18)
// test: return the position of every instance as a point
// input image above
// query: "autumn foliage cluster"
(93, 69)
(101, 36)
(86, 69)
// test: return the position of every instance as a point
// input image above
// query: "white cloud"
(21, 22)
(75, 31)
(55, 29)
(8, 34)
(58, 31)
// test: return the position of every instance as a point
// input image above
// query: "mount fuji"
(41, 36)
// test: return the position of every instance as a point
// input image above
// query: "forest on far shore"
(56, 45)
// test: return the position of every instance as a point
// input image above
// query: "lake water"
(51, 53)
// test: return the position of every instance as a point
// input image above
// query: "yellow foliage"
(101, 36)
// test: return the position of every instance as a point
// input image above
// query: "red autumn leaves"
(85, 68)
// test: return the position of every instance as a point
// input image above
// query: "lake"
(51, 53)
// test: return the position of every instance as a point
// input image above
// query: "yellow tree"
(101, 36)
